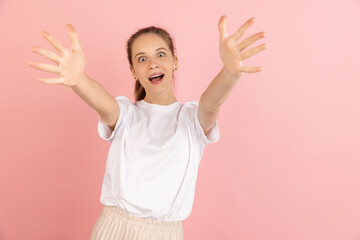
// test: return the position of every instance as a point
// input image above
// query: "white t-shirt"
(152, 164)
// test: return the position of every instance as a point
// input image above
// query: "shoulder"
(191, 104)
(122, 98)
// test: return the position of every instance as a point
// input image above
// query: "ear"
(175, 62)
(132, 71)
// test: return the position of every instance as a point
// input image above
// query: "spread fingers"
(45, 67)
(250, 40)
(75, 44)
(252, 51)
(54, 42)
(46, 53)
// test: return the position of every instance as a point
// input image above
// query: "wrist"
(230, 74)
(81, 79)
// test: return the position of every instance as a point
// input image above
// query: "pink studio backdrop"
(287, 166)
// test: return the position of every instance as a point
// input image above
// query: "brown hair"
(139, 89)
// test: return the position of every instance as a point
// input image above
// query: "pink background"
(287, 166)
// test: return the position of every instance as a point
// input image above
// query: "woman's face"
(150, 55)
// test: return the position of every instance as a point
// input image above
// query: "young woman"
(157, 142)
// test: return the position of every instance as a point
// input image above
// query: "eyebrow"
(155, 50)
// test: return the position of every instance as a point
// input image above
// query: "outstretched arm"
(70, 67)
(224, 82)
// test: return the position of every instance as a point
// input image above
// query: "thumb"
(222, 27)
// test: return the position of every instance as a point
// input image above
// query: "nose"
(153, 64)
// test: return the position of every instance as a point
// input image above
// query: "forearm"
(218, 90)
(95, 95)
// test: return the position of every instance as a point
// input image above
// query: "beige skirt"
(115, 224)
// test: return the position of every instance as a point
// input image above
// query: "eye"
(161, 53)
(141, 58)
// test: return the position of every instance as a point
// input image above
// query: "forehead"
(148, 42)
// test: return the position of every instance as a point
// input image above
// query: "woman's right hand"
(70, 63)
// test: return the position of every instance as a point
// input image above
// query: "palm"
(70, 64)
(231, 59)
(231, 53)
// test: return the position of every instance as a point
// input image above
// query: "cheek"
(168, 64)
(139, 68)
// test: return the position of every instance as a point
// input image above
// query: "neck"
(160, 100)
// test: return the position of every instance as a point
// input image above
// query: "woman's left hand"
(230, 51)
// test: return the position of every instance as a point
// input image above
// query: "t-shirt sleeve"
(212, 136)
(125, 107)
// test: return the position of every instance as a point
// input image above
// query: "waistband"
(155, 224)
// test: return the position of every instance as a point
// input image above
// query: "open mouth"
(156, 79)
